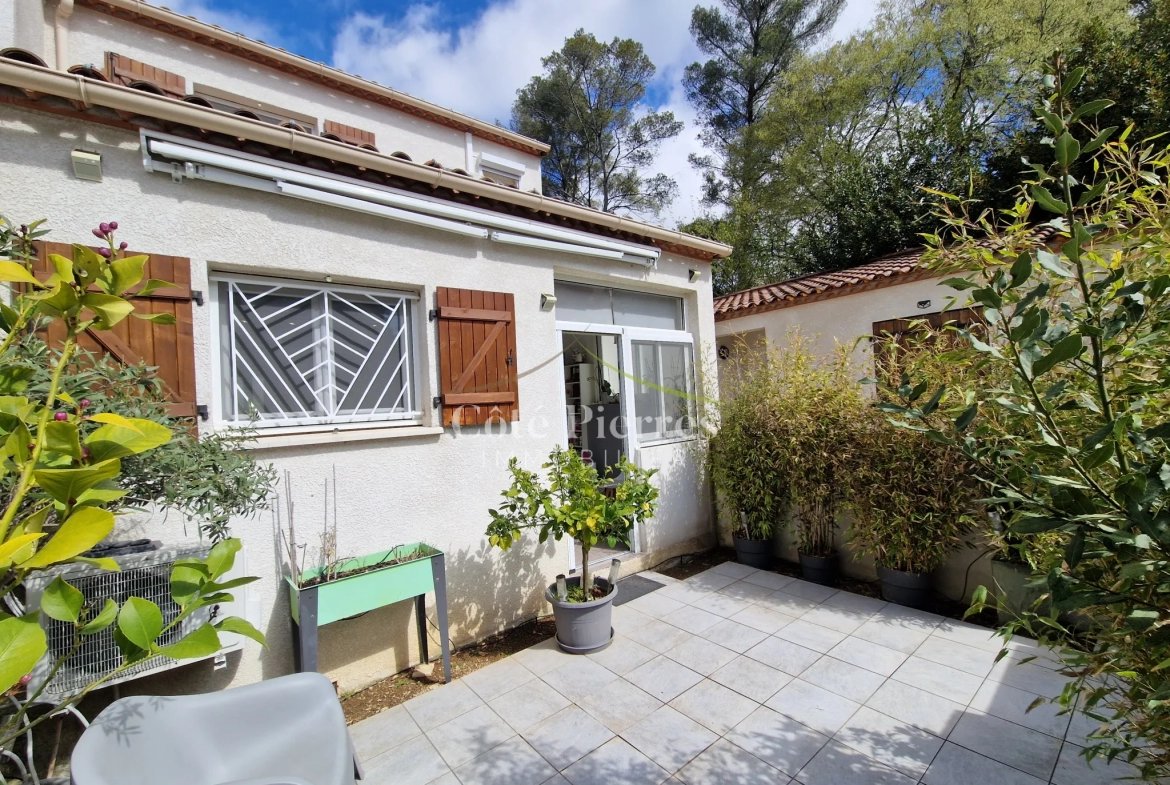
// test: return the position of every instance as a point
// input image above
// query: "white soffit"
(182, 158)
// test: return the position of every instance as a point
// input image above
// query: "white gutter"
(200, 163)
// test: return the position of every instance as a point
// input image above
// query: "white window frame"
(692, 386)
(303, 424)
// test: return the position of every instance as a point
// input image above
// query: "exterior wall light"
(87, 165)
(548, 301)
(694, 275)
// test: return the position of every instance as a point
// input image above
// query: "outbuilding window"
(307, 354)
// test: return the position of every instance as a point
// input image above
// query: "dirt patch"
(400, 688)
(685, 566)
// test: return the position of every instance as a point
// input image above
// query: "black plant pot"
(819, 569)
(754, 553)
(912, 589)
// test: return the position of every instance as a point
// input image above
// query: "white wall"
(92, 34)
(842, 320)
(435, 487)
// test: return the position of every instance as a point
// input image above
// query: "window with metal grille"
(307, 354)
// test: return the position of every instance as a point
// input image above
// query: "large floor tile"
(512, 763)
(659, 636)
(623, 655)
(840, 619)
(734, 569)
(857, 603)
(663, 678)
(615, 761)
(692, 619)
(685, 593)
(837, 764)
(890, 741)
(779, 741)
(498, 678)
(528, 704)
(669, 738)
(1008, 703)
(449, 701)
(1073, 769)
(916, 707)
(654, 605)
(942, 680)
(1006, 742)
(966, 658)
(969, 634)
(579, 678)
(811, 635)
(733, 635)
(714, 706)
(385, 730)
(955, 765)
(788, 604)
(751, 678)
(543, 657)
(710, 580)
(892, 633)
(626, 619)
(769, 580)
(415, 762)
(814, 706)
(843, 678)
(469, 736)
(619, 705)
(721, 605)
(567, 736)
(762, 618)
(1029, 677)
(742, 590)
(701, 655)
(783, 655)
(871, 656)
(809, 591)
(723, 763)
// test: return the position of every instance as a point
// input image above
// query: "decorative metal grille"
(296, 354)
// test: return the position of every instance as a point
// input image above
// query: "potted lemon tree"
(573, 500)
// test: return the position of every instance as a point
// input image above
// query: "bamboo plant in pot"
(574, 501)
(913, 500)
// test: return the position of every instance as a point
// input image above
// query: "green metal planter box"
(374, 581)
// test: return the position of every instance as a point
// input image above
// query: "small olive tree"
(575, 502)
(1074, 445)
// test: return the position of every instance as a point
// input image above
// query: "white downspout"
(61, 33)
(469, 153)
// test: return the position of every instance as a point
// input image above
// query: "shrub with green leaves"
(1074, 444)
(62, 465)
(572, 501)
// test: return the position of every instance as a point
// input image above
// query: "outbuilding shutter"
(125, 71)
(168, 347)
(902, 332)
(477, 356)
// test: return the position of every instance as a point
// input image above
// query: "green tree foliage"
(1070, 440)
(588, 106)
(61, 463)
(923, 99)
(750, 43)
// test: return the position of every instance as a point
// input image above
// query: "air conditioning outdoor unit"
(146, 575)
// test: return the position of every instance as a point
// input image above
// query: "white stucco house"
(381, 280)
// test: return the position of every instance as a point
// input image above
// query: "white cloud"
(233, 21)
(476, 69)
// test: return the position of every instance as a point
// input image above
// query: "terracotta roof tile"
(903, 265)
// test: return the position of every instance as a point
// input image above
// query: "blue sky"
(472, 55)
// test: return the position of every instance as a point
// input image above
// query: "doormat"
(633, 587)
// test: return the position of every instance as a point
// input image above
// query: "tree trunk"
(586, 578)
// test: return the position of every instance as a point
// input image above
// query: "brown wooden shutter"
(349, 134)
(168, 347)
(901, 332)
(477, 356)
(122, 70)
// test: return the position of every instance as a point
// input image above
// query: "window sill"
(268, 441)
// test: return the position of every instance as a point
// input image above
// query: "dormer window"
(501, 170)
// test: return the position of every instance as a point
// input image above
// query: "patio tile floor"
(802, 684)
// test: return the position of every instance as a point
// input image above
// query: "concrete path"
(748, 678)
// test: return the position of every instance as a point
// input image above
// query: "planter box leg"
(420, 612)
(305, 633)
(439, 571)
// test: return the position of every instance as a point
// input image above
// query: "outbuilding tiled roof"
(895, 268)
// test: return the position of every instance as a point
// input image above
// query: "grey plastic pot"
(583, 627)
(1012, 590)
(819, 569)
(754, 553)
(912, 589)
